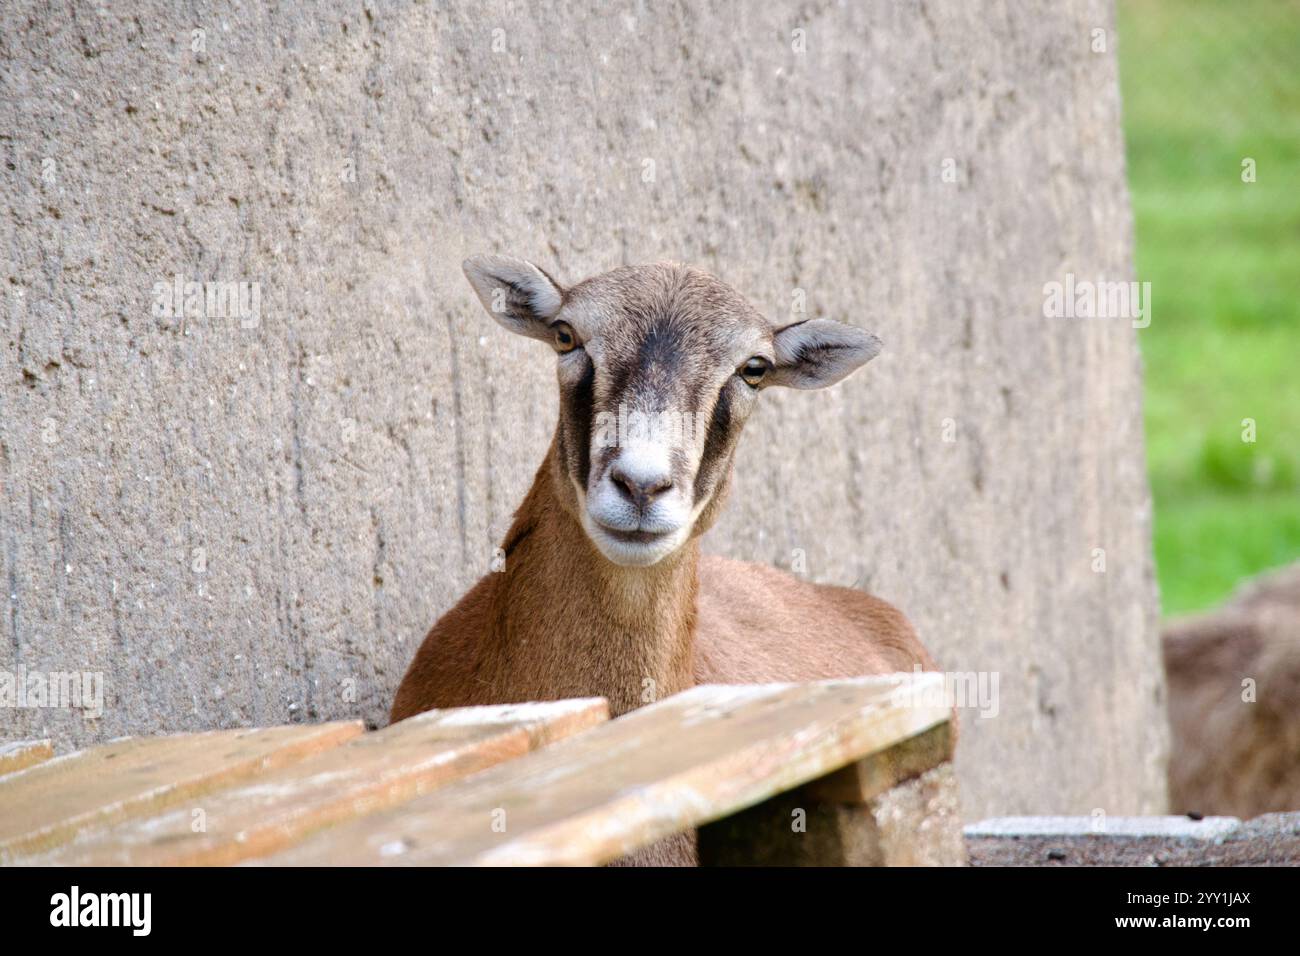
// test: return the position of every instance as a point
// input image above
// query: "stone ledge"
(1269, 840)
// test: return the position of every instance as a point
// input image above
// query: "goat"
(603, 590)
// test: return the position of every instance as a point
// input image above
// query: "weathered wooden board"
(364, 775)
(48, 804)
(865, 779)
(24, 754)
(692, 758)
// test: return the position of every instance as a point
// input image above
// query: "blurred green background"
(1207, 85)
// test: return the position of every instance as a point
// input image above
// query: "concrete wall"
(256, 522)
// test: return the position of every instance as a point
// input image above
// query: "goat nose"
(639, 489)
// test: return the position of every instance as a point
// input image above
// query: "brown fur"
(1230, 756)
(561, 621)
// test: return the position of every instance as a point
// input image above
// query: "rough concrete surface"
(918, 823)
(254, 522)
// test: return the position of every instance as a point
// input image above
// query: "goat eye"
(565, 340)
(753, 371)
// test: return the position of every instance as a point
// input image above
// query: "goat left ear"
(516, 293)
(820, 352)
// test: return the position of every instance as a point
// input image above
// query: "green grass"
(1206, 85)
(1205, 544)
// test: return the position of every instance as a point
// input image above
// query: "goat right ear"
(516, 293)
(819, 352)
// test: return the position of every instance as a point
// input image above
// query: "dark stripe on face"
(716, 444)
(575, 437)
(659, 360)
(660, 350)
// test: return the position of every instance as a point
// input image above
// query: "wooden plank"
(865, 779)
(364, 775)
(545, 722)
(692, 758)
(23, 754)
(47, 805)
